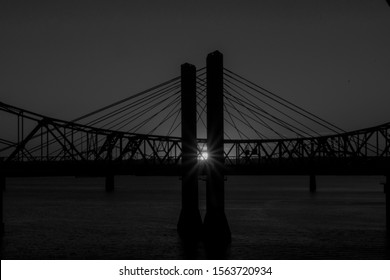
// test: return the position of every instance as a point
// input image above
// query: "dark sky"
(66, 58)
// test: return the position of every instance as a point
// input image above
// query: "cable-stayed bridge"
(205, 117)
(143, 131)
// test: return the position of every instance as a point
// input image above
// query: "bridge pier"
(2, 183)
(110, 183)
(216, 227)
(190, 221)
(313, 183)
(387, 193)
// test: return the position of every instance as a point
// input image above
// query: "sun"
(203, 156)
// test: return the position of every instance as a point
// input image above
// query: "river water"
(270, 217)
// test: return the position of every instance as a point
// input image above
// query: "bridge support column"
(190, 221)
(110, 183)
(216, 227)
(2, 183)
(387, 193)
(313, 183)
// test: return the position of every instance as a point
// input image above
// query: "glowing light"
(203, 156)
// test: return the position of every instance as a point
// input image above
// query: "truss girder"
(48, 139)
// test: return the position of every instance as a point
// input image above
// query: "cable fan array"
(155, 111)
(250, 112)
(253, 112)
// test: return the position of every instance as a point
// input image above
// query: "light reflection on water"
(270, 218)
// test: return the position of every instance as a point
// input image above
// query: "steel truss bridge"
(209, 121)
(48, 146)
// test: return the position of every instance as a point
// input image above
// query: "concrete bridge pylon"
(216, 227)
(190, 221)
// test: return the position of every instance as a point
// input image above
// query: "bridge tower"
(216, 227)
(190, 221)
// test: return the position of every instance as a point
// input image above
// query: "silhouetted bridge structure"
(247, 130)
